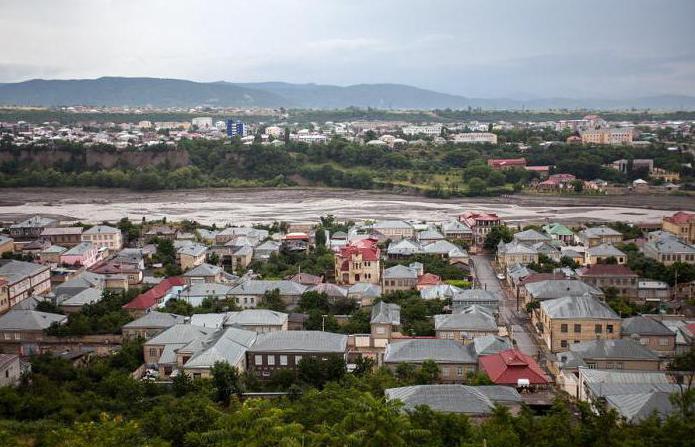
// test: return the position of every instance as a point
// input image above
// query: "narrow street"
(487, 278)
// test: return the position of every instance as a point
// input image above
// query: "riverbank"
(245, 206)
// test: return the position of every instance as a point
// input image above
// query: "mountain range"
(120, 91)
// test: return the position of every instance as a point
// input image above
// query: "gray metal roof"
(599, 231)
(79, 249)
(260, 287)
(404, 247)
(386, 313)
(213, 289)
(391, 224)
(209, 320)
(473, 318)
(204, 270)
(420, 349)
(604, 250)
(180, 333)
(639, 406)
(29, 320)
(86, 296)
(613, 349)
(155, 320)
(35, 222)
(473, 400)
(578, 307)
(399, 271)
(531, 236)
(515, 247)
(601, 377)
(430, 235)
(441, 247)
(475, 295)
(491, 344)
(301, 341)
(642, 325)
(192, 250)
(15, 271)
(364, 289)
(441, 291)
(556, 288)
(102, 229)
(332, 290)
(256, 317)
(671, 245)
(228, 346)
(454, 226)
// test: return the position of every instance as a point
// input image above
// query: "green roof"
(558, 229)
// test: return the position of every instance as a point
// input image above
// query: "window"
(445, 371)
(459, 372)
(153, 352)
(380, 330)
(297, 359)
(598, 328)
(271, 360)
(644, 341)
(609, 328)
(591, 365)
(563, 328)
(663, 342)
(577, 328)
(283, 360)
(258, 360)
(563, 343)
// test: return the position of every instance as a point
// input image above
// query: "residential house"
(261, 321)
(295, 242)
(506, 163)
(477, 297)
(491, 344)
(668, 249)
(155, 297)
(455, 360)
(615, 276)
(76, 302)
(266, 249)
(31, 228)
(253, 235)
(4, 295)
(333, 291)
(651, 333)
(228, 345)
(403, 248)
(385, 320)
(513, 368)
(465, 325)
(84, 254)
(306, 279)
(250, 293)
(556, 288)
(22, 280)
(573, 319)
(358, 262)
(161, 350)
(481, 224)
(6, 245)
(161, 232)
(192, 255)
(394, 229)
(428, 280)
(652, 291)
(440, 292)
(397, 278)
(428, 236)
(205, 273)
(51, 255)
(559, 232)
(151, 324)
(530, 237)
(595, 385)
(285, 350)
(22, 330)
(364, 293)
(104, 236)
(682, 225)
(474, 401)
(118, 274)
(600, 253)
(515, 252)
(454, 229)
(63, 236)
(195, 293)
(10, 370)
(609, 354)
(594, 236)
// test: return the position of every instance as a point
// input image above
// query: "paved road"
(487, 278)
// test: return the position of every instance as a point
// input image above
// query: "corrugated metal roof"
(419, 350)
(585, 306)
(301, 341)
(472, 318)
(464, 399)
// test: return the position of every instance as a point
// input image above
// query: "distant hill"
(118, 91)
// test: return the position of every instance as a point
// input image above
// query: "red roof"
(680, 218)
(429, 279)
(607, 270)
(365, 247)
(2, 282)
(114, 267)
(471, 217)
(306, 279)
(538, 277)
(507, 367)
(503, 162)
(538, 168)
(152, 297)
(563, 177)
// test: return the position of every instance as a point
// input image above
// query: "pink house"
(84, 254)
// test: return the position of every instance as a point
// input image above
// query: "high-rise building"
(236, 128)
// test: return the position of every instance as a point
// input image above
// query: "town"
(601, 312)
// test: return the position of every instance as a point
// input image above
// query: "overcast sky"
(486, 48)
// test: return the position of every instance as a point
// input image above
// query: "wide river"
(245, 206)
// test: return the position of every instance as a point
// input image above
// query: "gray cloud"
(474, 47)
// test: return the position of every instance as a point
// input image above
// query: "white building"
(475, 137)
(203, 122)
(430, 130)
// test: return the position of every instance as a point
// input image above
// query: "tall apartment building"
(236, 128)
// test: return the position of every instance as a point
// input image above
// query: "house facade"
(358, 262)
(104, 236)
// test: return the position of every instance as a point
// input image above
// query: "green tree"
(227, 382)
